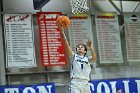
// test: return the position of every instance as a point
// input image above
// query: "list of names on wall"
(19, 40)
(51, 44)
(132, 34)
(79, 30)
(108, 38)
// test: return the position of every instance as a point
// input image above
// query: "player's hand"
(60, 27)
(89, 43)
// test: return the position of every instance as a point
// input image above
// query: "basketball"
(64, 21)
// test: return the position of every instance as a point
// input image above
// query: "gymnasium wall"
(58, 74)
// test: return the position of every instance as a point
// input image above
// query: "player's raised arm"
(67, 47)
(93, 54)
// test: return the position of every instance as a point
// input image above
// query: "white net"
(79, 6)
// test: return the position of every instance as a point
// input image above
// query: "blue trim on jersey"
(70, 87)
(73, 57)
(72, 61)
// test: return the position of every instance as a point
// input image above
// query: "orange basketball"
(64, 21)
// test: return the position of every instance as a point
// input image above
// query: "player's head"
(81, 49)
(119, 90)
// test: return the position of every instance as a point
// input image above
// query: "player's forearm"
(65, 39)
(93, 54)
(67, 47)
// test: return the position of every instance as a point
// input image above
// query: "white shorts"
(79, 86)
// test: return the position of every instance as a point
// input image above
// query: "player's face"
(81, 49)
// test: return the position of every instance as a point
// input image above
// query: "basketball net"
(79, 6)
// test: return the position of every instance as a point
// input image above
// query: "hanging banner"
(80, 30)
(122, 85)
(19, 40)
(132, 35)
(108, 36)
(40, 88)
(51, 44)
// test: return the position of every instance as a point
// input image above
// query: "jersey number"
(82, 66)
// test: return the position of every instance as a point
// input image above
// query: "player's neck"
(81, 54)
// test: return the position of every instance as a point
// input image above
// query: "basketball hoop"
(79, 6)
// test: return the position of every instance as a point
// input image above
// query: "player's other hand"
(89, 43)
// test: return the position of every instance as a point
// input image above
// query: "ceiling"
(21, 6)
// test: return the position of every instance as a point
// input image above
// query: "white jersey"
(80, 67)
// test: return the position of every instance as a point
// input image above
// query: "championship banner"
(80, 30)
(122, 85)
(132, 36)
(40, 88)
(19, 41)
(108, 36)
(51, 44)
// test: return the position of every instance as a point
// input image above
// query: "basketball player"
(80, 65)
